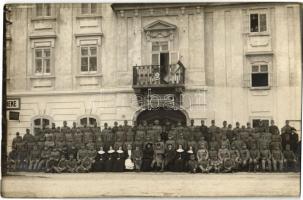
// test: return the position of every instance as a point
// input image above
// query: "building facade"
(90, 63)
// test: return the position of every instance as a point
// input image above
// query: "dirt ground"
(150, 184)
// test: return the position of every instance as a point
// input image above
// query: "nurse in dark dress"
(120, 160)
(180, 159)
(109, 163)
(99, 165)
(147, 159)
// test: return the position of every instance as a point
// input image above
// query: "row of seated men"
(242, 148)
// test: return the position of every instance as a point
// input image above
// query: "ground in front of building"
(24, 184)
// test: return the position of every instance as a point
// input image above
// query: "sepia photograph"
(151, 99)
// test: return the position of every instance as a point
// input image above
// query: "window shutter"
(246, 22)
(155, 59)
(173, 57)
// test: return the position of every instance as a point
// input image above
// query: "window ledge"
(88, 75)
(43, 18)
(255, 53)
(260, 88)
(88, 16)
(251, 34)
(42, 77)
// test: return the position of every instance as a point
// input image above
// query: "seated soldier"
(214, 143)
(53, 161)
(41, 142)
(137, 158)
(159, 146)
(276, 141)
(82, 153)
(215, 162)
(225, 141)
(238, 142)
(202, 142)
(12, 160)
(34, 158)
(254, 158)
(62, 165)
(224, 157)
(71, 164)
(203, 159)
(45, 154)
(192, 164)
(265, 156)
(244, 157)
(235, 158)
(84, 165)
(193, 144)
(91, 152)
(290, 159)
(170, 155)
(49, 141)
(158, 162)
(277, 159)
(251, 141)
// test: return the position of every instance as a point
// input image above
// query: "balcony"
(156, 76)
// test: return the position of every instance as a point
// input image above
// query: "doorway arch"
(161, 114)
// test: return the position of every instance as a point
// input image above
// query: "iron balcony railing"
(158, 76)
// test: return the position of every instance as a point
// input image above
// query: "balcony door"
(160, 57)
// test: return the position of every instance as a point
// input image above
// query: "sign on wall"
(13, 103)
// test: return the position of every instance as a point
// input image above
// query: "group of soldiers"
(155, 147)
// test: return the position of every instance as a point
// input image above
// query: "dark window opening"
(259, 80)
(254, 24)
(260, 122)
(164, 67)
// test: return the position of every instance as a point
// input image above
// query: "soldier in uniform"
(203, 159)
(129, 138)
(165, 130)
(115, 128)
(289, 159)
(74, 128)
(273, 129)
(235, 157)
(98, 140)
(237, 129)
(41, 142)
(192, 129)
(157, 130)
(215, 162)
(170, 155)
(249, 129)
(204, 131)
(238, 142)
(118, 143)
(45, 154)
(230, 133)
(265, 156)
(88, 136)
(244, 134)
(71, 164)
(277, 159)
(214, 143)
(172, 133)
(254, 158)
(244, 156)
(159, 146)
(17, 142)
(214, 131)
(179, 130)
(84, 165)
(62, 165)
(53, 160)
(224, 130)
(276, 140)
(29, 140)
(108, 137)
(78, 139)
(120, 134)
(60, 143)
(202, 141)
(192, 164)
(251, 141)
(225, 141)
(64, 128)
(224, 157)
(140, 133)
(137, 158)
(23, 158)
(34, 158)
(181, 141)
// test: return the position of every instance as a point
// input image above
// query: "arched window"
(39, 122)
(88, 120)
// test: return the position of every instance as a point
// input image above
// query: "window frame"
(261, 118)
(43, 58)
(89, 9)
(259, 72)
(87, 118)
(88, 59)
(43, 10)
(41, 118)
(259, 13)
(158, 52)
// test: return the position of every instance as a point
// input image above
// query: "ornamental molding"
(160, 29)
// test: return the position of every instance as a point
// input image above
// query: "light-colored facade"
(70, 61)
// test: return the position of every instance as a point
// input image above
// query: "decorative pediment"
(160, 29)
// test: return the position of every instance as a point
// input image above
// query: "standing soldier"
(214, 131)
(179, 131)
(34, 158)
(69, 139)
(170, 142)
(108, 137)
(224, 130)
(17, 142)
(251, 141)
(287, 128)
(230, 133)
(120, 135)
(204, 131)
(254, 158)
(64, 128)
(165, 130)
(74, 128)
(277, 159)
(238, 142)
(115, 128)
(129, 138)
(172, 133)
(126, 127)
(237, 129)
(244, 156)
(181, 141)
(157, 130)
(244, 134)
(249, 129)
(191, 131)
(273, 129)
(265, 156)
(29, 140)
(78, 139)
(140, 133)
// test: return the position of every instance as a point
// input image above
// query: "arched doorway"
(163, 115)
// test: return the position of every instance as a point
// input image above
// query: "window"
(257, 122)
(42, 61)
(88, 121)
(88, 58)
(88, 8)
(43, 10)
(41, 122)
(258, 22)
(259, 75)
(160, 53)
